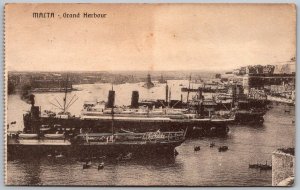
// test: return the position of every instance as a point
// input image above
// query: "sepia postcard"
(150, 94)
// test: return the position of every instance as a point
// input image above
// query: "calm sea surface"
(208, 167)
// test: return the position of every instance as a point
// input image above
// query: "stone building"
(283, 167)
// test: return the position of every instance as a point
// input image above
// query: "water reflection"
(30, 169)
(50, 168)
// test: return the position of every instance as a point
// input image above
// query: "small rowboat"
(87, 165)
(54, 136)
(254, 165)
(196, 148)
(223, 148)
(101, 166)
(265, 167)
(59, 156)
(28, 136)
(44, 129)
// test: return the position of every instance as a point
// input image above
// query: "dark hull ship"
(251, 111)
(52, 134)
(249, 117)
(73, 136)
(132, 119)
(195, 127)
(138, 118)
(96, 144)
(246, 110)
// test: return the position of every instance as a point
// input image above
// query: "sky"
(147, 37)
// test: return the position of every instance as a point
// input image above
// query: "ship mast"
(65, 105)
(187, 98)
(112, 121)
(66, 90)
(112, 102)
(169, 98)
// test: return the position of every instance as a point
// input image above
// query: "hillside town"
(274, 82)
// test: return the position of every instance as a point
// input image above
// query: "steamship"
(72, 136)
(96, 117)
(247, 110)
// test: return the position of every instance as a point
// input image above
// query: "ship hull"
(87, 150)
(195, 128)
(249, 118)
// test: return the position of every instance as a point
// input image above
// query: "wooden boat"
(101, 166)
(196, 148)
(121, 157)
(45, 128)
(261, 166)
(54, 136)
(59, 155)
(127, 157)
(256, 166)
(265, 167)
(86, 165)
(223, 148)
(28, 136)
(176, 153)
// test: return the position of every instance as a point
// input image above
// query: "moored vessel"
(96, 116)
(69, 135)
(84, 144)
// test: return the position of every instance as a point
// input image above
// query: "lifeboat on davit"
(28, 136)
(54, 136)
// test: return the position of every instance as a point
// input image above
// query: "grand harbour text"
(68, 15)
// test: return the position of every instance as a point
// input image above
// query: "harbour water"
(207, 167)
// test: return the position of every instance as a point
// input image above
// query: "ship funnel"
(31, 99)
(111, 99)
(135, 99)
(35, 112)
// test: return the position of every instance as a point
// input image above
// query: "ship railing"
(163, 136)
(148, 136)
